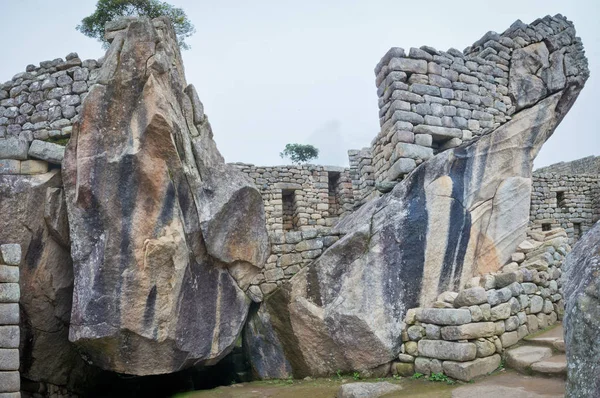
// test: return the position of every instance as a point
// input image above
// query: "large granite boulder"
(33, 214)
(165, 236)
(460, 214)
(581, 287)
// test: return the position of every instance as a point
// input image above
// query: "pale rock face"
(582, 315)
(165, 237)
(458, 215)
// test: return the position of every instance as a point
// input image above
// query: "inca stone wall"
(301, 204)
(568, 201)
(432, 100)
(466, 332)
(10, 259)
(37, 110)
(587, 165)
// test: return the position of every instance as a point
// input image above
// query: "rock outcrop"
(458, 215)
(34, 215)
(581, 286)
(165, 236)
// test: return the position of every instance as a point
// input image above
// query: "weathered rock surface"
(164, 236)
(366, 390)
(46, 278)
(459, 214)
(581, 321)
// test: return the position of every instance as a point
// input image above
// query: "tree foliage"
(108, 10)
(299, 153)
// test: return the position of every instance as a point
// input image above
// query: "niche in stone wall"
(288, 199)
(560, 199)
(576, 231)
(546, 227)
(333, 183)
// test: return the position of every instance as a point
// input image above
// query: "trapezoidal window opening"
(288, 199)
(560, 199)
(546, 227)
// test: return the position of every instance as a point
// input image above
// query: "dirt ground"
(503, 384)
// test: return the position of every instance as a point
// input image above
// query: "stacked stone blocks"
(431, 100)
(571, 202)
(37, 110)
(465, 334)
(10, 258)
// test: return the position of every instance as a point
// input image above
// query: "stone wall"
(568, 201)
(10, 259)
(465, 333)
(587, 165)
(37, 111)
(301, 204)
(432, 100)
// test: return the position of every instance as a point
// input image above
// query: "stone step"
(555, 366)
(552, 338)
(521, 358)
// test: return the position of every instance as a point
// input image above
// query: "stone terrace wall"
(587, 165)
(37, 111)
(465, 334)
(568, 201)
(433, 100)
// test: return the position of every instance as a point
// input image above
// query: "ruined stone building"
(137, 250)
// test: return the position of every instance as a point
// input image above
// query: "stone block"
(31, 167)
(408, 65)
(428, 366)
(11, 253)
(485, 348)
(310, 244)
(472, 296)
(496, 297)
(9, 314)
(9, 336)
(467, 371)
(536, 304)
(448, 350)
(509, 339)
(469, 331)
(10, 166)
(403, 369)
(423, 140)
(444, 316)
(400, 167)
(406, 358)
(9, 273)
(13, 148)
(9, 293)
(506, 279)
(500, 312)
(43, 150)
(9, 359)
(412, 151)
(10, 382)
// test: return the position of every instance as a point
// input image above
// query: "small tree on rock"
(299, 153)
(108, 10)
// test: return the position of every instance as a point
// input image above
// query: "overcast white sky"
(277, 71)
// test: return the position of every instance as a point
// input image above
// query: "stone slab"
(9, 359)
(10, 382)
(467, 371)
(444, 316)
(469, 331)
(13, 148)
(31, 167)
(43, 150)
(9, 273)
(10, 166)
(521, 358)
(440, 349)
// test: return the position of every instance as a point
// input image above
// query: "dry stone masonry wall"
(587, 165)
(466, 332)
(37, 110)
(431, 100)
(568, 201)
(10, 259)
(301, 204)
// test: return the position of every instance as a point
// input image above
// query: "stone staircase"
(541, 354)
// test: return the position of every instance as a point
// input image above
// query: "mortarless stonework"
(459, 214)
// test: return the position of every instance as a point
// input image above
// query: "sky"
(272, 72)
